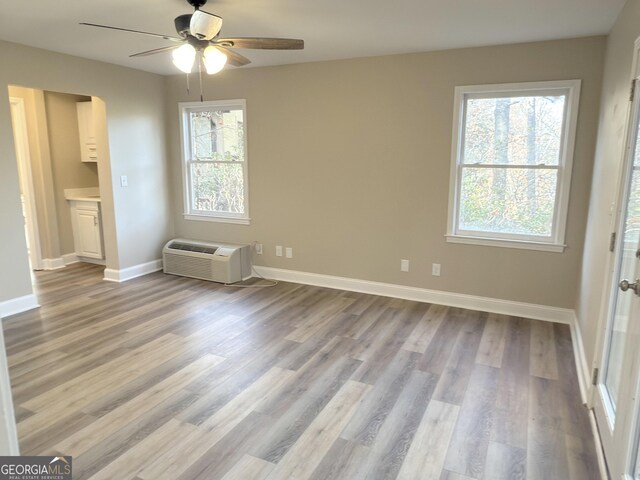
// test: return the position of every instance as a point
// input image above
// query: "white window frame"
(185, 136)
(556, 241)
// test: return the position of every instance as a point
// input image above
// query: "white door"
(617, 384)
(21, 141)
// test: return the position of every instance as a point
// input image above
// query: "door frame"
(614, 223)
(23, 156)
(631, 418)
(630, 454)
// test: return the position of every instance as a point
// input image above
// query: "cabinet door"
(90, 242)
(86, 130)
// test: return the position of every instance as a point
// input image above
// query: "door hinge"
(594, 378)
(612, 242)
(632, 94)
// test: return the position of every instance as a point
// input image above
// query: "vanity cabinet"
(87, 229)
(87, 132)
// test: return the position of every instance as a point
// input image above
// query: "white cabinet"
(87, 229)
(87, 131)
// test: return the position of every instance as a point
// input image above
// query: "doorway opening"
(56, 137)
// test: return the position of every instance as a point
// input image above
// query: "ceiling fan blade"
(234, 58)
(262, 43)
(154, 51)
(166, 37)
(204, 25)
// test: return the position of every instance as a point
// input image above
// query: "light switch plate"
(124, 181)
(435, 269)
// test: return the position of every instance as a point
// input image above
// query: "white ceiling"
(332, 29)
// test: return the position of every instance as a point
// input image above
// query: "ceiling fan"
(199, 40)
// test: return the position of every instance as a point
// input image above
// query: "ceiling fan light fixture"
(214, 60)
(204, 25)
(184, 57)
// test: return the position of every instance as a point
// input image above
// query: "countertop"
(88, 194)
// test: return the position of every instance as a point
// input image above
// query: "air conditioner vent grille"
(187, 266)
(193, 248)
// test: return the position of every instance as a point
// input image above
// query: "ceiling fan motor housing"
(182, 23)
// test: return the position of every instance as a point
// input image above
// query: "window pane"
(514, 130)
(217, 187)
(515, 201)
(217, 135)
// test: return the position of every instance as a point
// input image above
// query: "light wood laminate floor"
(165, 377)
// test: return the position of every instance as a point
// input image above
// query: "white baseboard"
(95, 261)
(53, 263)
(472, 302)
(113, 275)
(18, 305)
(582, 366)
(69, 258)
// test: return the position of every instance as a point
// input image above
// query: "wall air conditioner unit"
(216, 262)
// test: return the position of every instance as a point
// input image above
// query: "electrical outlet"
(258, 248)
(404, 265)
(278, 250)
(435, 269)
(288, 252)
(124, 181)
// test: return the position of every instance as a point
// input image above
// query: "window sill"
(209, 218)
(520, 244)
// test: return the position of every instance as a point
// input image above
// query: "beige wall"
(68, 170)
(614, 111)
(140, 222)
(349, 165)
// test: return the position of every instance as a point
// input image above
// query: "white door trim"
(21, 140)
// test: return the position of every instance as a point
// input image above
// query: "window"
(511, 164)
(215, 161)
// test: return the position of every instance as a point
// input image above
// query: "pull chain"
(199, 60)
